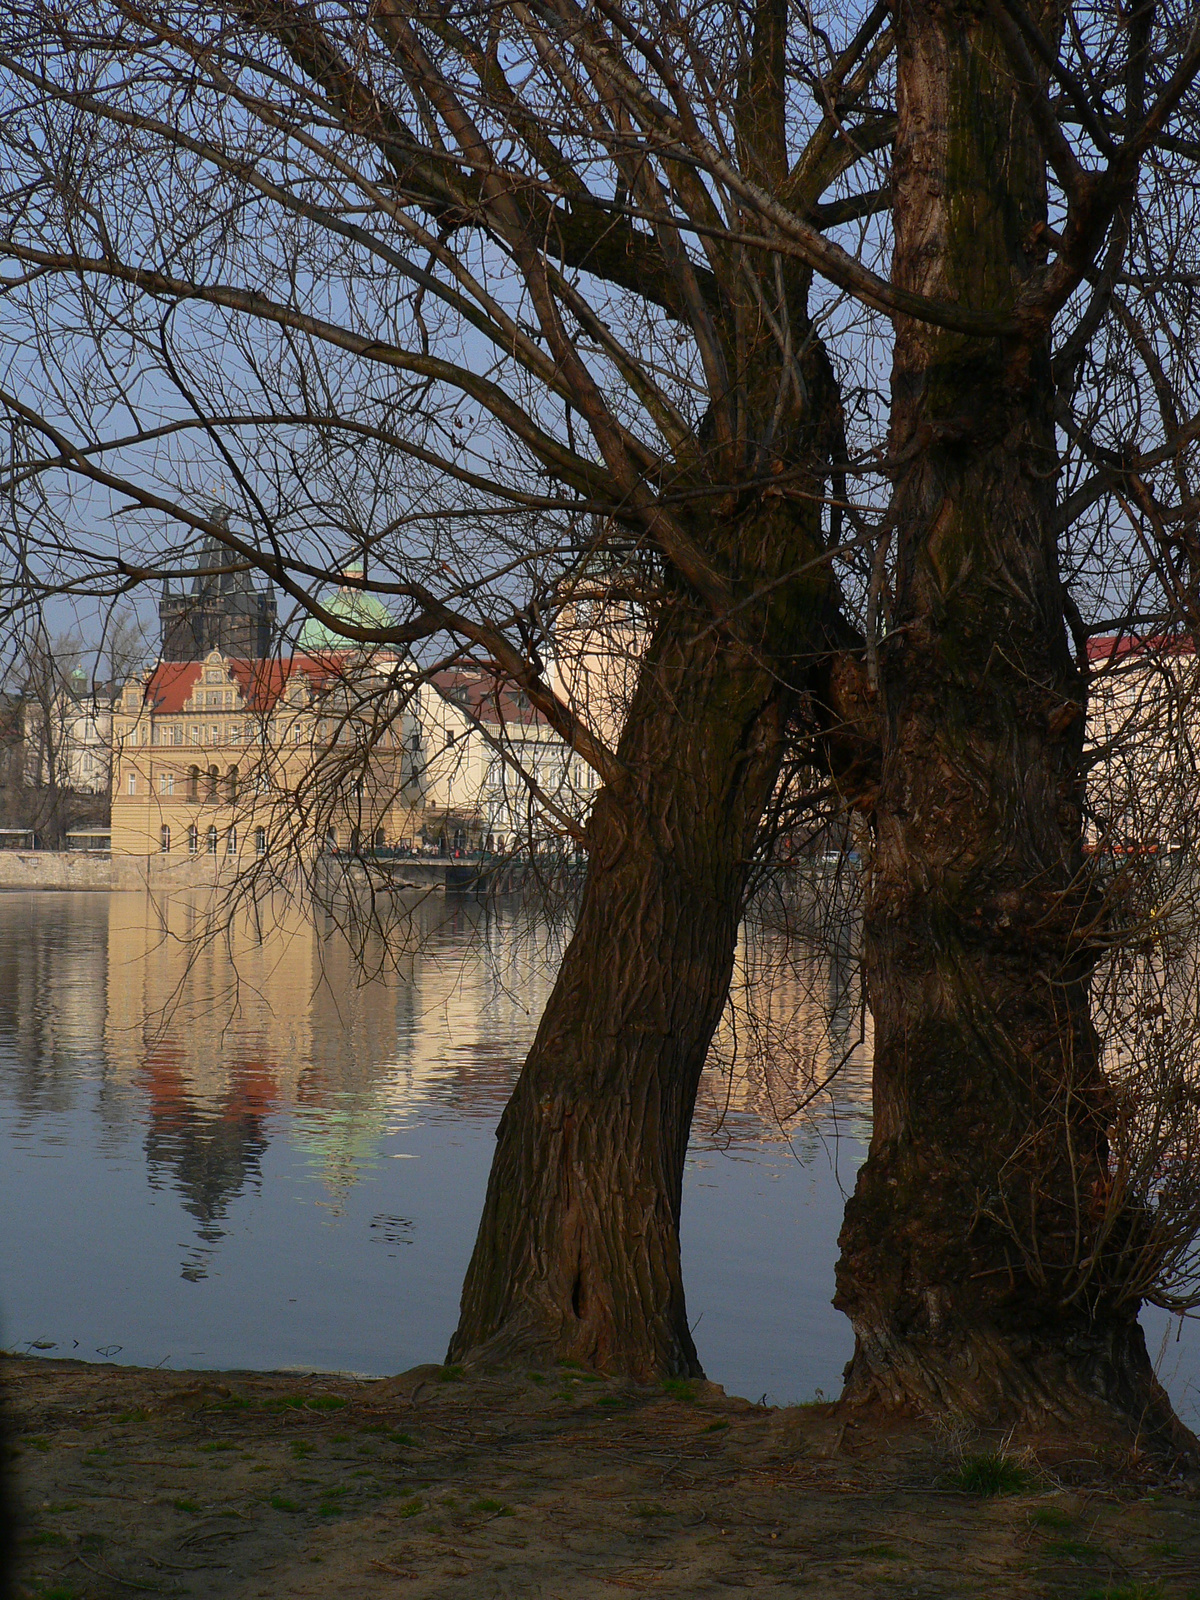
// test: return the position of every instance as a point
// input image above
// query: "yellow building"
(234, 758)
(1143, 747)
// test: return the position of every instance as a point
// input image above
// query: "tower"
(221, 611)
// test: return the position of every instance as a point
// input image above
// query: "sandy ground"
(434, 1484)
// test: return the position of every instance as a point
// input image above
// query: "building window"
(193, 840)
(176, 735)
(193, 735)
(260, 841)
(193, 788)
(133, 783)
(231, 785)
(331, 839)
(212, 841)
(296, 733)
(215, 733)
(164, 839)
(235, 733)
(212, 698)
(380, 840)
(166, 783)
(231, 842)
(213, 777)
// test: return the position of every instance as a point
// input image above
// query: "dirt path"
(245, 1484)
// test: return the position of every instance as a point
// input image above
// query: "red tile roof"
(487, 698)
(261, 683)
(1127, 644)
(483, 696)
(171, 683)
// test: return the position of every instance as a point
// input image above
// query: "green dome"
(356, 607)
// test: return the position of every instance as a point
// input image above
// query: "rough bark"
(578, 1251)
(972, 1266)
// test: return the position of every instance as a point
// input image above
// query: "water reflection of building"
(286, 1028)
(795, 1042)
(52, 993)
(220, 1030)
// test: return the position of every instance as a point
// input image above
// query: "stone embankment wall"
(95, 869)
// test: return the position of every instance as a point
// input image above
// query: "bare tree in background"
(509, 299)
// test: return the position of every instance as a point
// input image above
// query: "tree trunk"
(973, 1267)
(578, 1250)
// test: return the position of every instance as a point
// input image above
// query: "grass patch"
(1050, 1517)
(449, 1374)
(990, 1474)
(33, 1443)
(138, 1414)
(324, 1402)
(495, 1508)
(58, 1592)
(679, 1389)
(186, 1505)
(1074, 1550)
(280, 1502)
(649, 1508)
(44, 1536)
(412, 1508)
(1127, 1591)
(301, 1447)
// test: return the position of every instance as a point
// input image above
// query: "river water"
(265, 1144)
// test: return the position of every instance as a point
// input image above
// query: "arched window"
(193, 788)
(231, 785)
(380, 839)
(212, 841)
(355, 841)
(231, 842)
(193, 840)
(260, 841)
(164, 839)
(214, 774)
(331, 839)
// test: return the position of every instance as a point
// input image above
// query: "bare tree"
(55, 708)
(508, 300)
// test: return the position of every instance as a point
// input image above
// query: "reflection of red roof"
(487, 698)
(1128, 644)
(261, 683)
